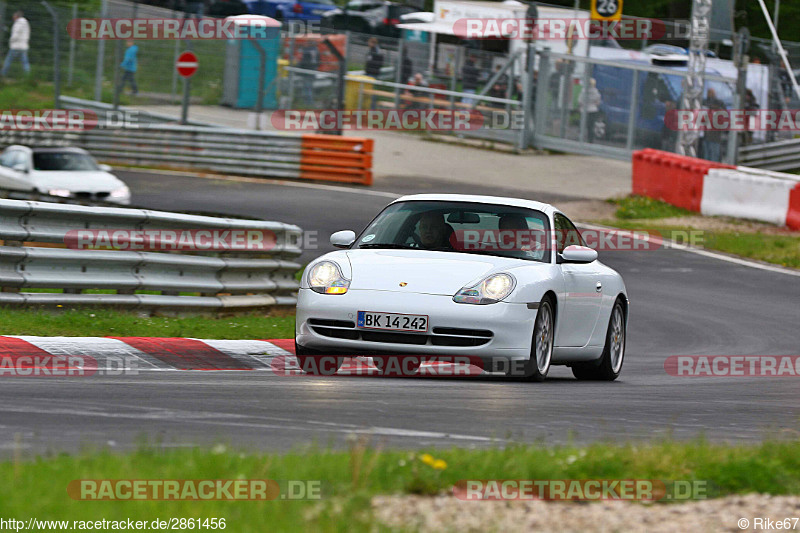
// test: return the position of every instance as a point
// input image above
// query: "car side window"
(566, 233)
(6, 157)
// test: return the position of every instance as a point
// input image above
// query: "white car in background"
(409, 285)
(60, 171)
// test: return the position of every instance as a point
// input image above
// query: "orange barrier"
(336, 158)
(672, 178)
(793, 214)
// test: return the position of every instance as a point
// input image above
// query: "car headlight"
(488, 291)
(59, 192)
(326, 278)
(122, 192)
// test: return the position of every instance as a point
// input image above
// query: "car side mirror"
(578, 254)
(20, 167)
(343, 239)
(104, 168)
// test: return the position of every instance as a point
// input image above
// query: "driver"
(433, 231)
(516, 222)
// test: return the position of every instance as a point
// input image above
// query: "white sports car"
(506, 282)
(60, 171)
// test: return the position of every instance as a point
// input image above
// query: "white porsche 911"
(504, 281)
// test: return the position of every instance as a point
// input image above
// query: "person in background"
(309, 60)
(592, 102)
(750, 106)
(406, 68)
(374, 59)
(499, 87)
(374, 64)
(712, 140)
(469, 79)
(18, 43)
(129, 65)
(669, 132)
(417, 103)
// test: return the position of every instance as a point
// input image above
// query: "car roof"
(480, 199)
(49, 149)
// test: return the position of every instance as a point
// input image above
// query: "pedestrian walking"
(129, 66)
(18, 43)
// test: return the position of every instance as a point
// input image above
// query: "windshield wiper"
(387, 245)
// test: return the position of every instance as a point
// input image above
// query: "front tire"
(610, 364)
(538, 365)
(315, 362)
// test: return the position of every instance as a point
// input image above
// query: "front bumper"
(500, 330)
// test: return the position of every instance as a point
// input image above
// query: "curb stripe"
(185, 354)
(14, 348)
(92, 347)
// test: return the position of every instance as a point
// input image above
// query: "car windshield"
(63, 161)
(460, 227)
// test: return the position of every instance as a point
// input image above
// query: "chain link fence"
(563, 102)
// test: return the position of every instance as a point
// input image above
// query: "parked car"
(66, 172)
(368, 16)
(428, 278)
(292, 10)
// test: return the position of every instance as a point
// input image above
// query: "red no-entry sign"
(186, 64)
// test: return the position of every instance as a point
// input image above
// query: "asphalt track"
(682, 303)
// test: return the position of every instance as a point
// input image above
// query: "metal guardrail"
(221, 150)
(143, 117)
(778, 155)
(241, 279)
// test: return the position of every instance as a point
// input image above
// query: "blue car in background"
(291, 10)
(654, 91)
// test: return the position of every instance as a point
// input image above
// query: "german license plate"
(392, 321)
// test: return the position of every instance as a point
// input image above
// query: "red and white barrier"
(717, 189)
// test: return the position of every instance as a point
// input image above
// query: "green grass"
(639, 213)
(781, 250)
(349, 478)
(637, 207)
(101, 323)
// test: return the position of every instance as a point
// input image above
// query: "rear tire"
(610, 364)
(315, 362)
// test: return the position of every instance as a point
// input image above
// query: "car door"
(583, 291)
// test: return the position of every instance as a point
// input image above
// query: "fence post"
(527, 97)
(101, 50)
(542, 88)
(56, 56)
(342, 74)
(71, 65)
(2, 23)
(632, 112)
(398, 73)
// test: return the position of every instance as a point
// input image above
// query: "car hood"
(423, 271)
(84, 181)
